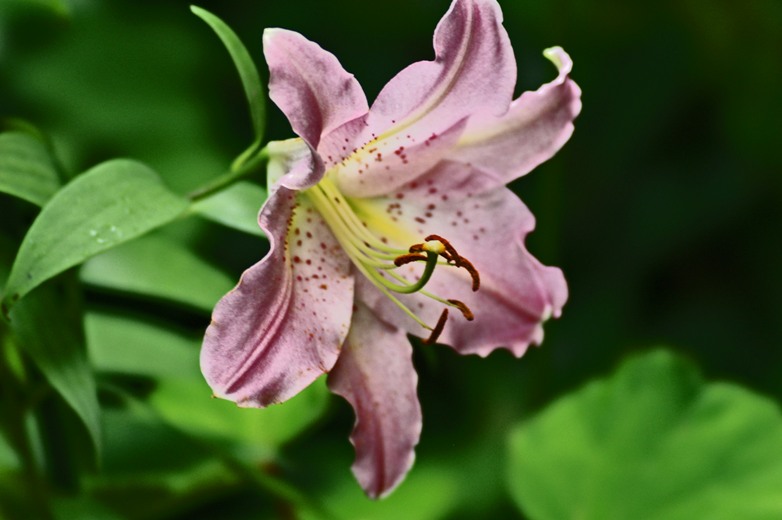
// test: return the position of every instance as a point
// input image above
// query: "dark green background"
(664, 210)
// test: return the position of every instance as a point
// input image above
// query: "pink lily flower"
(383, 219)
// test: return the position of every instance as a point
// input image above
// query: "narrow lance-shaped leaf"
(136, 268)
(27, 170)
(47, 326)
(235, 207)
(654, 442)
(112, 203)
(248, 73)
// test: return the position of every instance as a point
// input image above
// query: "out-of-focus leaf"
(132, 346)
(26, 168)
(159, 267)
(186, 404)
(654, 442)
(236, 207)
(153, 471)
(47, 328)
(126, 345)
(248, 72)
(111, 203)
(70, 508)
(57, 6)
(427, 494)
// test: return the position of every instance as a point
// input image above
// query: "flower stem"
(245, 167)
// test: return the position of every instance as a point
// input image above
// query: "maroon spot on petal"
(324, 286)
(420, 220)
(309, 235)
(296, 259)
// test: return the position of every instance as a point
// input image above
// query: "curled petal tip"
(559, 58)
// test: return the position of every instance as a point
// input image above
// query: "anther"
(448, 247)
(451, 255)
(466, 312)
(406, 259)
(438, 329)
(476, 278)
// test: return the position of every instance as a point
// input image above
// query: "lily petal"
(375, 374)
(284, 323)
(309, 85)
(537, 125)
(385, 165)
(474, 72)
(418, 115)
(293, 164)
(517, 293)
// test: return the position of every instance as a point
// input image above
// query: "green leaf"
(236, 207)
(57, 6)
(653, 442)
(135, 346)
(27, 170)
(255, 433)
(136, 267)
(47, 326)
(111, 203)
(248, 73)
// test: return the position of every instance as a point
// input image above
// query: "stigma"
(379, 262)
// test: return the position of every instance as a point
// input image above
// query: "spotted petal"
(487, 226)
(415, 114)
(284, 323)
(534, 129)
(309, 85)
(375, 374)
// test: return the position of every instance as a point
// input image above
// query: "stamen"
(448, 247)
(406, 259)
(451, 255)
(466, 312)
(377, 260)
(476, 278)
(438, 329)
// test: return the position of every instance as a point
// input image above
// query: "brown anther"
(406, 259)
(448, 257)
(416, 248)
(466, 312)
(438, 329)
(448, 247)
(476, 278)
(458, 260)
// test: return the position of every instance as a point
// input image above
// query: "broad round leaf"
(111, 203)
(653, 442)
(26, 168)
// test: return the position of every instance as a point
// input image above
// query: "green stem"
(220, 183)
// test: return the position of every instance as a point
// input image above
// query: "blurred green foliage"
(663, 210)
